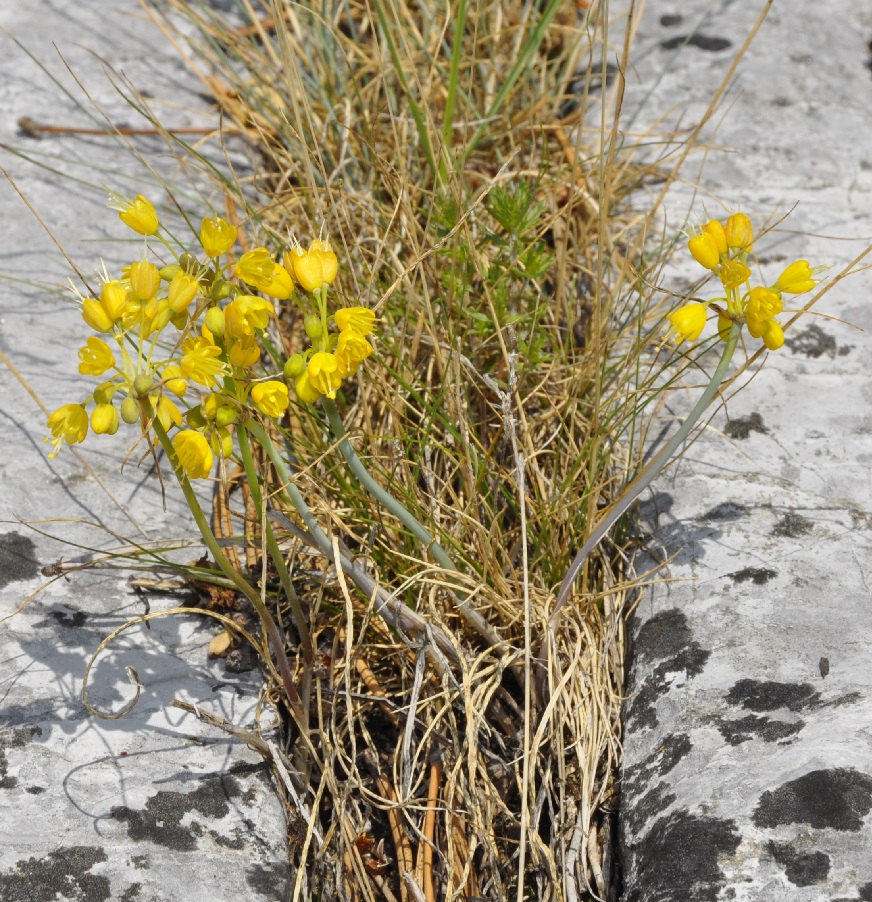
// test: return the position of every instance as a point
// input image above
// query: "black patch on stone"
(792, 525)
(35, 790)
(801, 868)
(17, 558)
(757, 695)
(758, 575)
(824, 667)
(703, 42)
(270, 880)
(727, 512)
(670, 20)
(644, 809)
(61, 873)
(14, 738)
(837, 799)
(160, 821)
(865, 893)
(140, 862)
(131, 894)
(742, 427)
(677, 860)
(738, 731)
(667, 638)
(672, 750)
(812, 342)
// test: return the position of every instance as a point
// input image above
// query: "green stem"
(653, 469)
(273, 546)
(227, 568)
(482, 627)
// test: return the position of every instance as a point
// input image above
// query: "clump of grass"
(448, 154)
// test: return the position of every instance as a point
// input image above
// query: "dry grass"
(471, 178)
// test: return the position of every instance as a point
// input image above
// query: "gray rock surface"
(154, 806)
(748, 743)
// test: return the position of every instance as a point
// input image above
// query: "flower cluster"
(181, 345)
(723, 248)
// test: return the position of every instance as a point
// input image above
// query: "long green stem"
(653, 469)
(274, 550)
(482, 627)
(272, 631)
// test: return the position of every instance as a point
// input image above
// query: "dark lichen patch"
(701, 41)
(160, 821)
(271, 880)
(132, 893)
(63, 873)
(670, 20)
(678, 858)
(140, 862)
(800, 868)
(646, 808)
(663, 636)
(17, 558)
(865, 893)
(667, 638)
(742, 427)
(837, 799)
(726, 512)
(757, 575)
(812, 342)
(35, 790)
(735, 732)
(671, 751)
(760, 695)
(792, 525)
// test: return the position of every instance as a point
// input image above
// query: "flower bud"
(104, 419)
(312, 325)
(104, 392)
(704, 250)
(95, 316)
(225, 415)
(295, 366)
(214, 321)
(168, 271)
(142, 385)
(220, 289)
(796, 279)
(739, 233)
(714, 228)
(196, 419)
(130, 411)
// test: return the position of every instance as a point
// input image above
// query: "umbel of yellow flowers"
(723, 248)
(180, 346)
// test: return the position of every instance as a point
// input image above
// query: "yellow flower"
(270, 397)
(704, 249)
(324, 375)
(194, 454)
(243, 352)
(715, 228)
(256, 268)
(113, 297)
(687, 322)
(96, 357)
(217, 236)
(95, 316)
(763, 303)
(313, 268)
(140, 216)
(351, 349)
(104, 419)
(360, 319)
(280, 285)
(68, 424)
(155, 314)
(174, 381)
(183, 289)
(166, 412)
(304, 388)
(796, 279)
(738, 232)
(772, 335)
(733, 274)
(144, 280)
(200, 361)
(245, 314)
